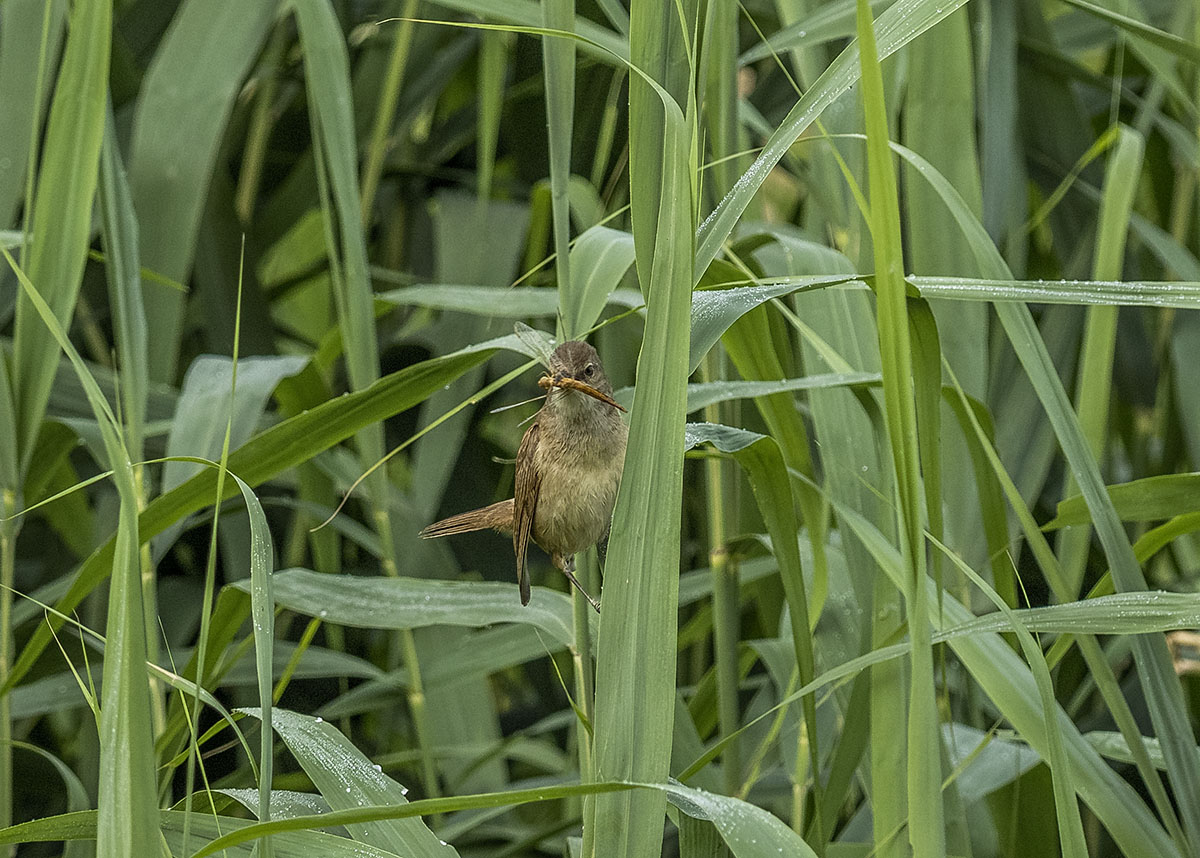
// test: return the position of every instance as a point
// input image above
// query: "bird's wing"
(525, 498)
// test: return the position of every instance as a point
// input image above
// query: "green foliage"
(922, 581)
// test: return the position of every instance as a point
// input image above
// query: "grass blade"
(926, 826)
(635, 669)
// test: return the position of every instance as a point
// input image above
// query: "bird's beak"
(566, 382)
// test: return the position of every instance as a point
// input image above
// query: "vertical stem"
(259, 131)
(581, 656)
(385, 113)
(408, 648)
(8, 557)
(585, 679)
(726, 610)
(416, 707)
(158, 711)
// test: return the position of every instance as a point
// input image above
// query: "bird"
(568, 470)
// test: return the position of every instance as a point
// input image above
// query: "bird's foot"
(567, 565)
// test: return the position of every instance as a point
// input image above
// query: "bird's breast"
(579, 480)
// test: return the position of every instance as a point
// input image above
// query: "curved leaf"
(413, 603)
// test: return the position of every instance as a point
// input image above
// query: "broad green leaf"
(315, 663)
(709, 393)
(825, 23)
(1112, 745)
(425, 807)
(748, 831)
(412, 603)
(348, 780)
(262, 613)
(292, 844)
(518, 303)
(713, 311)
(1147, 499)
(1094, 383)
(285, 804)
(326, 68)
(1134, 293)
(991, 762)
(1118, 614)
(205, 392)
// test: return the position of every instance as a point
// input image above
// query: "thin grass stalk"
(926, 826)
(581, 661)
(385, 111)
(726, 611)
(258, 134)
(558, 58)
(8, 557)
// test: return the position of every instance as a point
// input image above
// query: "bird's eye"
(589, 370)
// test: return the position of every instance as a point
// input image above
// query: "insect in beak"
(564, 382)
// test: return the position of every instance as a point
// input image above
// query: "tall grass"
(899, 296)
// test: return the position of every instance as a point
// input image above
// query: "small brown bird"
(568, 469)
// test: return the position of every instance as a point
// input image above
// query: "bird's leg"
(567, 566)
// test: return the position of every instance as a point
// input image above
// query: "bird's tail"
(498, 516)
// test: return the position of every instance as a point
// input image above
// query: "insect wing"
(538, 344)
